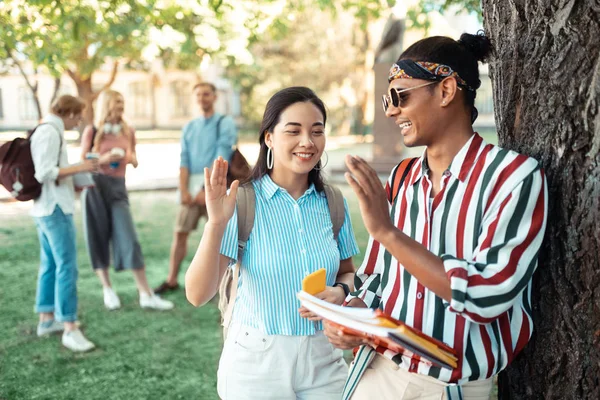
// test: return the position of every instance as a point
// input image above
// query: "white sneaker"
(111, 300)
(155, 302)
(49, 327)
(44, 329)
(75, 341)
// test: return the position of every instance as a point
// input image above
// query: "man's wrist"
(387, 236)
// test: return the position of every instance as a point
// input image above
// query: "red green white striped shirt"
(486, 224)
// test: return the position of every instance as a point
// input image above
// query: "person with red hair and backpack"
(56, 299)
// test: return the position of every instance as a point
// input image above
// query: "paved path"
(159, 163)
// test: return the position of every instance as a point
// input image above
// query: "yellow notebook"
(316, 282)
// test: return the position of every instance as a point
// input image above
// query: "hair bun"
(479, 44)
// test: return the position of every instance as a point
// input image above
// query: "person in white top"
(56, 298)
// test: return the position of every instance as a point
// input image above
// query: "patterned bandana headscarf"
(409, 69)
(429, 71)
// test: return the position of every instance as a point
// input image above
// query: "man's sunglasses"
(393, 96)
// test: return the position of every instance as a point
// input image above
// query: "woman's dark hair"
(275, 106)
(461, 55)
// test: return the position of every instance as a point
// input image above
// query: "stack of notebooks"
(382, 330)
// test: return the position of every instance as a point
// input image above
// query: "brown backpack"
(17, 171)
(246, 205)
(239, 168)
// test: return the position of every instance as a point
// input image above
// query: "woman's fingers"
(215, 173)
(219, 173)
(207, 174)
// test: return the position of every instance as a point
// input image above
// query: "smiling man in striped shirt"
(456, 258)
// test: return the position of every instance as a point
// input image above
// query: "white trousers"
(255, 366)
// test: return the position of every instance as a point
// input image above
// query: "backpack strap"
(246, 205)
(337, 212)
(399, 176)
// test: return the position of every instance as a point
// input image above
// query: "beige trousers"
(384, 380)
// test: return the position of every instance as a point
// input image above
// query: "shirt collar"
(54, 120)
(461, 164)
(269, 188)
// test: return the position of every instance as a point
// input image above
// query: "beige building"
(155, 99)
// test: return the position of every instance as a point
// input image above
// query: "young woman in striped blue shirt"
(273, 349)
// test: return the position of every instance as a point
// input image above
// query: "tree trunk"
(85, 92)
(32, 86)
(546, 80)
(56, 89)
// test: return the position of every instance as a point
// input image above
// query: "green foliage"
(70, 34)
(417, 17)
(83, 35)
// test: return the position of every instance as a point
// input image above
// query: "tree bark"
(546, 80)
(56, 89)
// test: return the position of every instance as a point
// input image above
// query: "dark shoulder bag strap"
(337, 212)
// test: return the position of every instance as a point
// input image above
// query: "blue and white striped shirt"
(289, 240)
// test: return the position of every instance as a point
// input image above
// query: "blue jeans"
(57, 279)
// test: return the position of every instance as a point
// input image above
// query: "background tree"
(546, 80)
(78, 38)
(18, 49)
(329, 51)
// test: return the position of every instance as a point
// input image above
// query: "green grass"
(141, 354)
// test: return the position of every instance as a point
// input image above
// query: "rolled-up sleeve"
(486, 286)
(45, 153)
(184, 156)
(227, 138)
(346, 240)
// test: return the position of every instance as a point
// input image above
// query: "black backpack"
(17, 172)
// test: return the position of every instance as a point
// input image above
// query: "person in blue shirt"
(203, 140)
(275, 350)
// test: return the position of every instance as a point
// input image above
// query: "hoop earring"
(270, 159)
(326, 162)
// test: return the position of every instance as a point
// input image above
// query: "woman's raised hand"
(219, 204)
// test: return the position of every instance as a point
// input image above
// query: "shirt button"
(303, 251)
(300, 230)
(413, 367)
(419, 295)
(447, 173)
